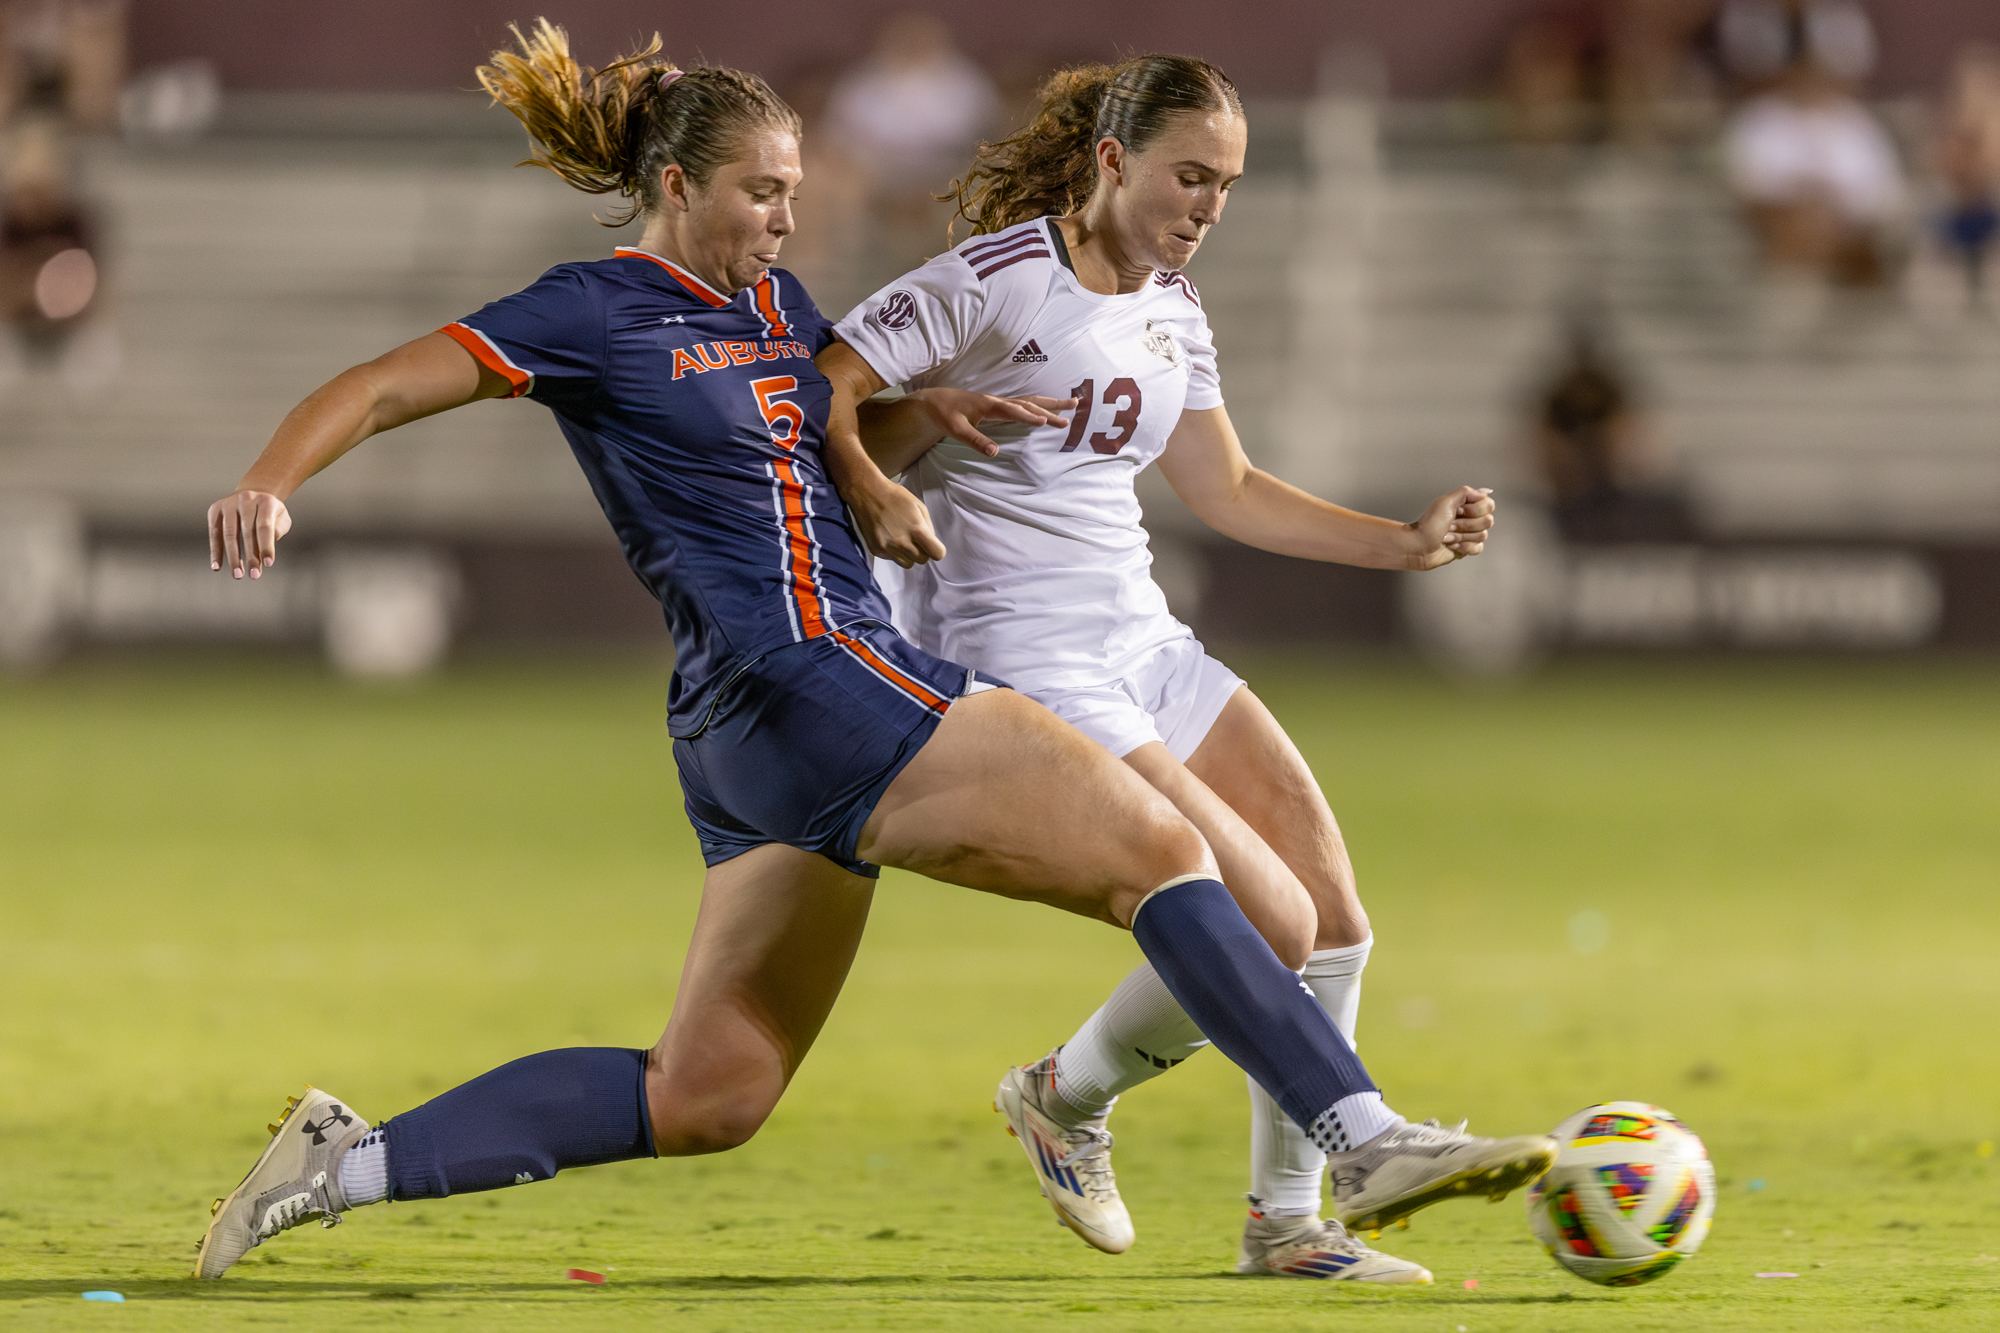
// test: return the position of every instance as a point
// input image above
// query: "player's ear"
(674, 187)
(1111, 159)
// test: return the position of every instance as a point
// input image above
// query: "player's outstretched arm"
(867, 443)
(1205, 464)
(418, 379)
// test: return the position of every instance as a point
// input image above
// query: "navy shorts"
(803, 742)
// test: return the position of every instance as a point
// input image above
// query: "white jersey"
(1047, 580)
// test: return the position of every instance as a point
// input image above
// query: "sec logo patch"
(897, 312)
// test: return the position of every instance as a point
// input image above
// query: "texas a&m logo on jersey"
(897, 312)
(1162, 344)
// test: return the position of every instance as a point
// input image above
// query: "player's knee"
(721, 1132)
(1341, 922)
(693, 1116)
(1342, 927)
(710, 1127)
(1163, 845)
(1289, 920)
(1291, 940)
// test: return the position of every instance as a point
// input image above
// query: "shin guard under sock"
(521, 1122)
(1253, 1007)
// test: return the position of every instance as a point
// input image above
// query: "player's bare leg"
(996, 770)
(1004, 798)
(1007, 799)
(1274, 898)
(1246, 752)
(772, 945)
(1142, 1030)
(771, 948)
(1087, 837)
(1250, 764)
(1249, 761)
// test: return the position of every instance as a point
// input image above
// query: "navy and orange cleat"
(1071, 1156)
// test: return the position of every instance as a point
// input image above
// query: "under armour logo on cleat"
(1030, 351)
(336, 1115)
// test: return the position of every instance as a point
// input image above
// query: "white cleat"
(1072, 1162)
(1312, 1248)
(1411, 1167)
(297, 1178)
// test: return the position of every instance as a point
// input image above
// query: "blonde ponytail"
(613, 130)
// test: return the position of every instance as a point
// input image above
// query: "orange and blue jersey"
(699, 419)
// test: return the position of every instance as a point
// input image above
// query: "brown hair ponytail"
(1051, 166)
(615, 129)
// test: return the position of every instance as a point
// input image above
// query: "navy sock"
(1253, 1007)
(523, 1121)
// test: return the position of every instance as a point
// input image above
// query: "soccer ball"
(1630, 1195)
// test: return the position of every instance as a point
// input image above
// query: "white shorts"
(1172, 697)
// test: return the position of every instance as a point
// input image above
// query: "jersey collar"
(1062, 246)
(700, 289)
(1076, 283)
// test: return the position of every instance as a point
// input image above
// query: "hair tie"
(666, 80)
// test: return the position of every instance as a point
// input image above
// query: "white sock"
(1139, 1033)
(1352, 1121)
(364, 1170)
(1286, 1170)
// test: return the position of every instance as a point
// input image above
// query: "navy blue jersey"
(699, 419)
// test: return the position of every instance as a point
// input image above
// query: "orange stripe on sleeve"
(490, 356)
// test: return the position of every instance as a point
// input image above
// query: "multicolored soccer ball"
(1630, 1195)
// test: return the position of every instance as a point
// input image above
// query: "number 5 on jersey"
(1121, 394)
(785, 419)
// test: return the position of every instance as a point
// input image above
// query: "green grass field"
(218, 881)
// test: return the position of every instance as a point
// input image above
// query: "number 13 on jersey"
(1122, 396)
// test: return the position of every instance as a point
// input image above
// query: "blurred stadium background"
(1700, 286)
(1512, 242)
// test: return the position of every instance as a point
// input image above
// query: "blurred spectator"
(1764, 42)
(1580, 69)
(1596, 453)
(1816, 171)
(913, 110)
(176, 101)
(65, 57)
(1968, 161)
(906, 120)
(49, 287)
(1552, 73)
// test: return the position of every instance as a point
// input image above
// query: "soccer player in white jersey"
(1026, 558)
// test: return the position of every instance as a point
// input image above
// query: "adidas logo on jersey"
(1030, 351)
